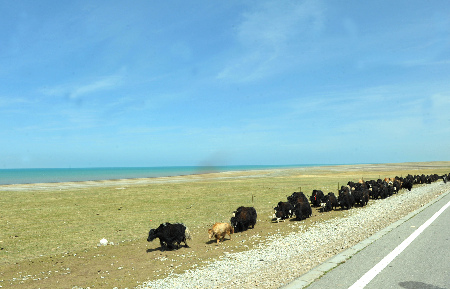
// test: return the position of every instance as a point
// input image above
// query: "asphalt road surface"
(415, 255)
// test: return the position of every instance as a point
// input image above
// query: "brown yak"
(219, 230)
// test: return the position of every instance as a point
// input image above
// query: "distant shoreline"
(64, 175)
(256, 171)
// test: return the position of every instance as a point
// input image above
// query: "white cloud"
(75, 91)
(12, 102)
(102, 84)
(268, 34)
(276, 22)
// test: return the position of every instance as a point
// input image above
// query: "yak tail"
(187, 234)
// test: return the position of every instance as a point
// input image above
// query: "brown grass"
(49, 232)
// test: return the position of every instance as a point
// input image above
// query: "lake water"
(29, 176)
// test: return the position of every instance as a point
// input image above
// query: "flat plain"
(49, 233)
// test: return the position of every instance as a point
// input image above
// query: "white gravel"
(279, 260)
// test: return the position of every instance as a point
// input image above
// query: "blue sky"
(158, 83)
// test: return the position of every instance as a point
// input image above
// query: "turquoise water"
(30, 176)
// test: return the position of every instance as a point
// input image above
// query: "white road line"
(366, 278)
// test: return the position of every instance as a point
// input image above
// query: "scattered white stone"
(303, 249)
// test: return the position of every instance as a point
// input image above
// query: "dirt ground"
(129, 263)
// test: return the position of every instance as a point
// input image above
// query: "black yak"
(170, 235)
(297, 197)
(361, 196)
(345, 199)
(283, 211)
(329, 202)
(243, 218)
(316, 198)
(302, 210)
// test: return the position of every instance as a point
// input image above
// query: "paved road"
(424, 262)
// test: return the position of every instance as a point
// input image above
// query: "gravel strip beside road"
(279, 260)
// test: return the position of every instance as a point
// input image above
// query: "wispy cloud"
(267, 34)
(75, 91)
(376, 113)
(11, 102)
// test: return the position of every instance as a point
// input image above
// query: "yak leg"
(163, 245)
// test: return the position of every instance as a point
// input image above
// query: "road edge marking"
(316, 273)
(372, 273)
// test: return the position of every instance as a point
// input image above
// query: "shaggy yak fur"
(345, 198)
(316, 197)
(361, 197)
(283, 211)
(302, 208)
(329, 202)
(219, 230)
(243, 218)
(170, 235)
(297, 197)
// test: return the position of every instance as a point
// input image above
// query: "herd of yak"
(298, 205)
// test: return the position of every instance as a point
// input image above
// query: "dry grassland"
(49, 232)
